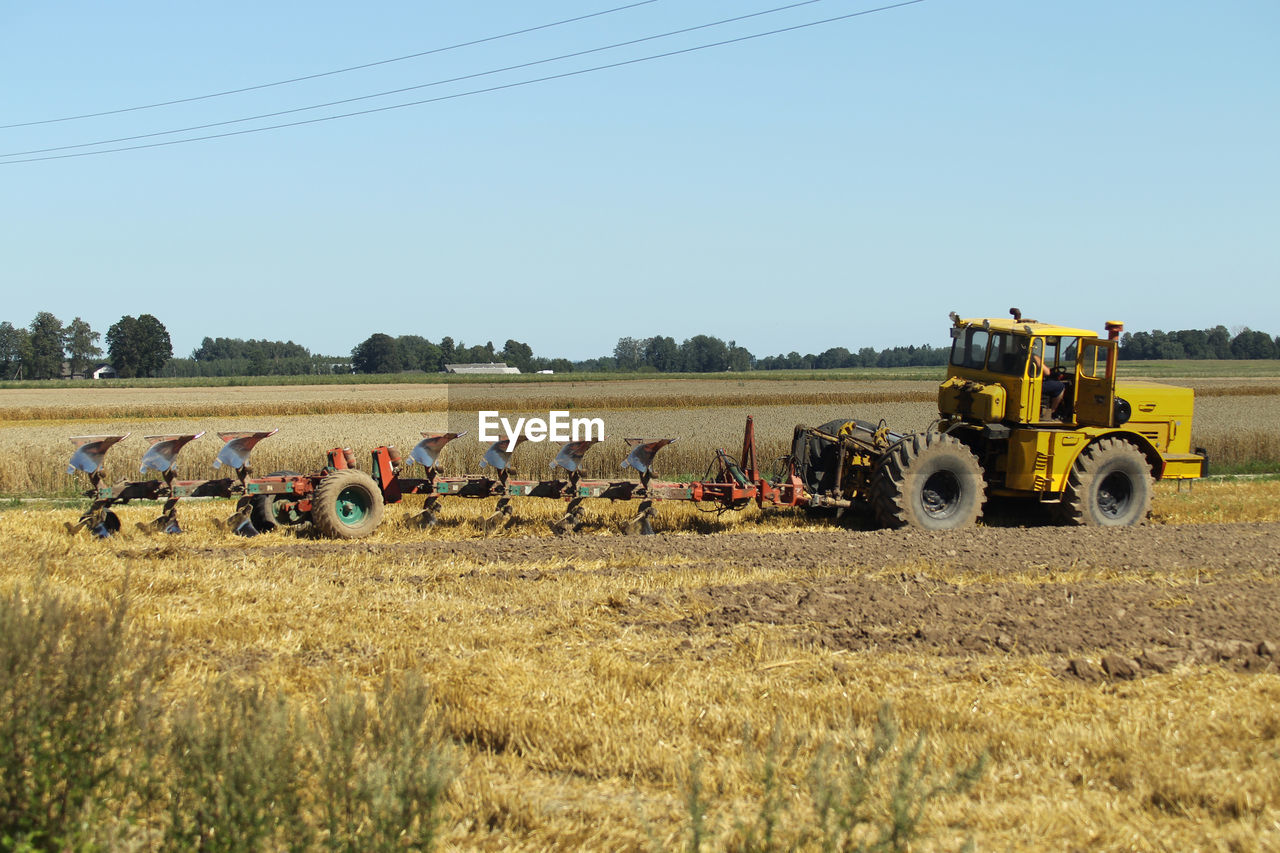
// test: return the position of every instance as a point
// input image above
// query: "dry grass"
(579, 723)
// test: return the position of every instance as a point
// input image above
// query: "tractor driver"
(1053, 389)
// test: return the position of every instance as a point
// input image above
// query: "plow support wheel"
(347, 505)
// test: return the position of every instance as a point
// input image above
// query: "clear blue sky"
(842, 185)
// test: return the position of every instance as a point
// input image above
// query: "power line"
(401, 91)
(488, 90)
(318, 75)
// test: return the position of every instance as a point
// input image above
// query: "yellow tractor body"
(994, 401)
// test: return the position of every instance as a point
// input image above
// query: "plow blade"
(571, 521)
(501, 518)
(235, 453)
(106, 527)
(241, 521)
(498, 456)
(167, 522)
(89, 452)
(641, 525)
(641, 456)
(164, 449)
(430, 513)
(570, 456)
(426, 452)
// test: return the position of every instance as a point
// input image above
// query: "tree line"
(1199, 344)
(48, 349)
(140, 346)
(382, 353)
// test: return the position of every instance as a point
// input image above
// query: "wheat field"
(1235, 421)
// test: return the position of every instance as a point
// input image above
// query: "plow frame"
(735, 483)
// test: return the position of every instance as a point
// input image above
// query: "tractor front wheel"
(929, 480)
(347, 504)
(1109, 486)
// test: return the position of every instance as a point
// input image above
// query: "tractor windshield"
(1008, 354)
(969, 347)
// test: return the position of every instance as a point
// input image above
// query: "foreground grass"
(576, 722)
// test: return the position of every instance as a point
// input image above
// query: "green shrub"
(75, 703)
(858, 798)
(89, 759)
(382, 769)
(235, 774)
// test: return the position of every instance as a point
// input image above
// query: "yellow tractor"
(1028, 410)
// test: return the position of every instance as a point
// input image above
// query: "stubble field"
(713, 684)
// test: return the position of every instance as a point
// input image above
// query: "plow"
(1028, 411)
(341, 501)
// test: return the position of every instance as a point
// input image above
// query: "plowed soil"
(1112, 603)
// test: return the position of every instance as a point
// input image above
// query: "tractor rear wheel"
(347, 504)
(929, 480)
(1109, 486)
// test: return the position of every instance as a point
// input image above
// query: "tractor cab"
(997, 373)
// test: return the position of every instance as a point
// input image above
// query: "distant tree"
(376, 354)
(517, 354)
(629, 353)
(1219, 342)
(15, 350)
(834, 357)
(796, 361)
(1251, 344)
(1136, 346)
(156, 346)
(740, 358)
(138, 346)
(221, 349)
(47, 343)
(704, 354)
(418, 353)
(448, 353)
(662, 354)
(1195, 343)
(82, 346)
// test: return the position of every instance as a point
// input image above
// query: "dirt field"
(1132, 601)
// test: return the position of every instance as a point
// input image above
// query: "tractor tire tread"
(1094, 465)
(325, 513)
(901, 474)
